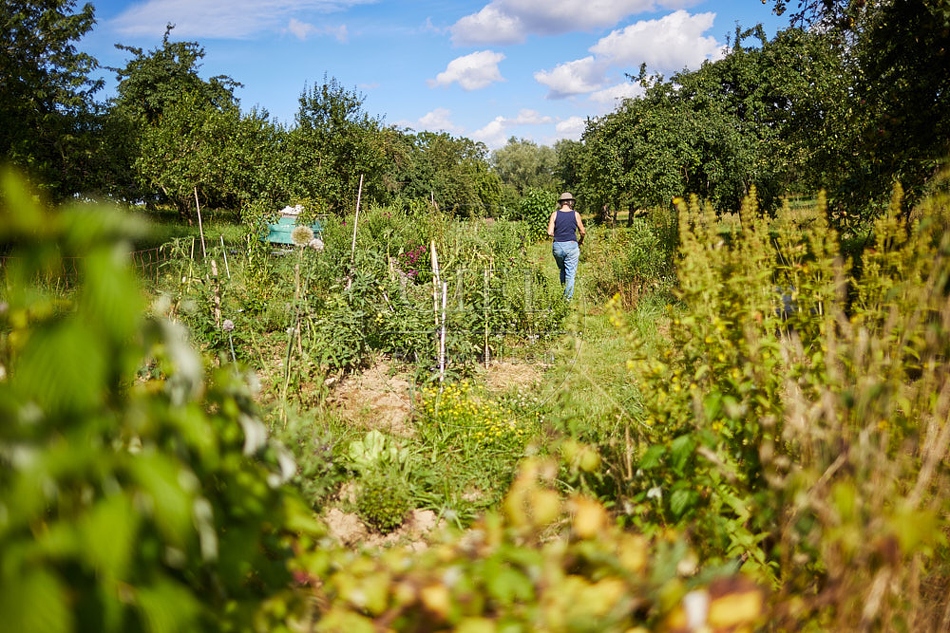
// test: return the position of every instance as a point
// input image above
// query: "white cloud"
(496, 133)
(671, 43)
(341, 33)
(488, 26)
(571, 128)
(511, 21)
(610, 96)
(303, 30)
(472, 72)
(227, 19)
(571, 78)
(530, 117)
(439, 120)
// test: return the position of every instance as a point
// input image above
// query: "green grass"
(165, 225)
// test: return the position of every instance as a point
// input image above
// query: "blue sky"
(488, 69)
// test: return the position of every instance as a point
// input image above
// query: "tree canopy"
(852, 97)
(46, 94)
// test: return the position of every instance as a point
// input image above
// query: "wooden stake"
(216, 291)
(359, 194)
(225, 253)
(628, 456)
(201, 230)
(445, 291)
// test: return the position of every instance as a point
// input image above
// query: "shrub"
(536, 206)
(630, 262)
(539, 562)
(137, 492)
(383, 499)
(796, 426)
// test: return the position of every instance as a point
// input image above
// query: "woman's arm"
(580, 227)
(551, 224)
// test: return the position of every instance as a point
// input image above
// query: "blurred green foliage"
(138, 492)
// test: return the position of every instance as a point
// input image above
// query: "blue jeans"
(567, 254)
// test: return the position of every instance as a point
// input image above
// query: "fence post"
(445, 292)
(486, 292)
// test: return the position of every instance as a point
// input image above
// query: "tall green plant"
(536, 206)
(800, 429)
(137, 493)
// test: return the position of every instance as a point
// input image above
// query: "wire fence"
(65, 272)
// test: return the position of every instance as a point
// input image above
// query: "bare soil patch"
(504, 376)
(382, 398)
(350, 531)
(379, 398)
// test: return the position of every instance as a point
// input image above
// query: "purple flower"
(228, 325)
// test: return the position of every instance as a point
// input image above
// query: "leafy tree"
(453, 172)
(47, 113)
(259, 168)
(896, 52)
(812, 109)
(640, 155)
(334, 143)
(524, 164)
(569, 156)
(182, 125)
(151, 83)
(747, 119)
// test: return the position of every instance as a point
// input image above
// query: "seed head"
(301, 235)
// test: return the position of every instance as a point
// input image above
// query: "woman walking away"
(567, 229)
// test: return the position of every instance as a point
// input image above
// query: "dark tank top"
(565, 226)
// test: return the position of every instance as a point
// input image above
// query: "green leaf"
(111, 299)
(916, 529)
(681, 450)
(653, 457)
(372, 449)
(168, 503)
(168, 607)
(34, 602)
(108, 534)
(63, 369)
(507, 585)
(681, 501)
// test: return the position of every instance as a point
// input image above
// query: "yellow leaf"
(589, 518)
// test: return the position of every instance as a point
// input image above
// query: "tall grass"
(798, 413)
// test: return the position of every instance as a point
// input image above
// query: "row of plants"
(369, 291)
(792, 419)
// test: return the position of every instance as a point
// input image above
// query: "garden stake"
(216, 290)
(191, 266)
(356, 220)
(224, 252)
(445, 289)
(201, 231)
(628, 456)
(435, 284)
(485, 293)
